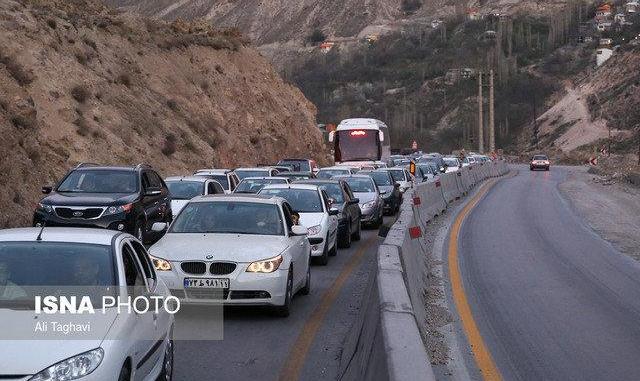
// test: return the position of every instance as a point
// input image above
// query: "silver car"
(370, 198)
(104, 345)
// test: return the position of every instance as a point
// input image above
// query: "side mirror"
(396, 185)
(47, 189)
(334, 211)
(159, 227)
(299, 230)
(331, 201)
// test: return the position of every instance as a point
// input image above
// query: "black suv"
(128, 199)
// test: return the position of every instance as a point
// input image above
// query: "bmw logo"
(210, 256)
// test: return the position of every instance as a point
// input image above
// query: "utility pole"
(480, 115)
(492, 132)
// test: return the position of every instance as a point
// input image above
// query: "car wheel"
(285, 309)
(167, 364)
(323, 260)
(358, 233)
(307, 285)
(125, 373)
(345, 242)
(334, 250)
(379, 221)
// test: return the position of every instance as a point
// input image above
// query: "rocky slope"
(80, 82)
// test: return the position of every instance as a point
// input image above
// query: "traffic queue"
(243, 236)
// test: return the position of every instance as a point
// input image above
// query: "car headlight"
(72, 368)
(315, 230)
(369, 204)
(160, 264)
(118, 209)
(266, 266)
(45, 208)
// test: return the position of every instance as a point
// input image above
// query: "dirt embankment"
(80, 82)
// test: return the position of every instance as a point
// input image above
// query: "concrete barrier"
(428, 201)
(450, 190)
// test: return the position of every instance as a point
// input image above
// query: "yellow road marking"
(480, 351)
(298, 353)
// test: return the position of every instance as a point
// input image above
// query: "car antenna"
(44, 223)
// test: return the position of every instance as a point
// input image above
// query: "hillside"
(80, 82)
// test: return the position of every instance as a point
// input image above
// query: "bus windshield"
(357, 145)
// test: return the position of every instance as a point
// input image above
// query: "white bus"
(361, 140)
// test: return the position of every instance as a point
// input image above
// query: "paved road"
(553, 301)
(258, 346)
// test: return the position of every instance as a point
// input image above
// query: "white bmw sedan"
(312, 205)
(235, 250)
(38, 344)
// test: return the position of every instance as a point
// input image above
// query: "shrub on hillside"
(80, 93)
(410, 6)
(169, 147)
(317, 36)
(20, 74)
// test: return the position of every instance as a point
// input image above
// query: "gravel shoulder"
(612, 209)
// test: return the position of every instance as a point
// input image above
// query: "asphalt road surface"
(552, 300)
(307, 345)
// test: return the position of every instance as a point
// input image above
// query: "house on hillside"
(604, 26)
(473, 14)
(620, 18)
(603, 12)
(602, 55)
(372, 38)
(605, 42)
(435, 24)
(326, 46)
(632, 6)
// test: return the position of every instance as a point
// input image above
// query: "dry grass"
(20, 74)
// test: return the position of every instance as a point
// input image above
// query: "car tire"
(285, 309)
(167, 363)
(306, 290)
(345, 242)
(334, 250)
(380, 221)
(125, 373)
(323, 260)
(358, 233)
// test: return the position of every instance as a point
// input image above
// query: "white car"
(66, 262)
(402, 177)
(184, 188)
(254, 184)
(235, 250)
(329, 172)
(453, 164)
(243, 173)
(312, 205)
(226, 177)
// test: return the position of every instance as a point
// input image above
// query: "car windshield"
(401, 162)
(295, 176)
(243, 173)
(427, 169)
(185, 190)
(298, 165)
(381, 178)
(229, 217)
(397, 175)
(222, 179)
(255, 185)
(28, 269)
(100, 181)
(539, 157)
(329, 173)
(301, 200)
(451, 162)
(361, 185)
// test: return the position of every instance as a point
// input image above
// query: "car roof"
(293, 159)
(318, 181)
(235, 197)
(60, 234)
(355, 176)
(107, 168)
(254, 168)
(342, 167)
(199, 179)
(291, 186)
(222, 171)
(265, 178)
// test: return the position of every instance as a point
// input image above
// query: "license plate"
(206, 283)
